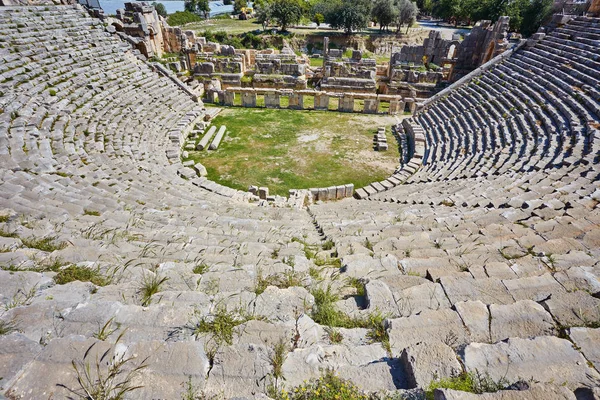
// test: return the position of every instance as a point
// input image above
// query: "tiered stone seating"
(488, 254)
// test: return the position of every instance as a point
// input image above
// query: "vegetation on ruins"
(7, 327)
(107, 375)
(329, 386)
(526, 16)
(288, 149)
(219, 325)
(160, 9)
(83, 274)
(182, 17)
(472, 382)
(150, 285)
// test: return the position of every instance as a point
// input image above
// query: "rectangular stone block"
(340, 192)
(323, 194)
(349, 189)
(249, 99)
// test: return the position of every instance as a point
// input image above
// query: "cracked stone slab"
(545, 359)
(523, 319)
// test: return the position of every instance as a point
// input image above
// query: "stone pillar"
(296, 102)
(325, 46)
(396, 107)
(228, 98)
(346, 103)
(413, 107)
(321, 102)
(272, 100)
(594, 8)
(249, 99)
(371, 106)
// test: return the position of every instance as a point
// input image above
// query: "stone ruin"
(478, 256)
(355, 74)
(447, 60)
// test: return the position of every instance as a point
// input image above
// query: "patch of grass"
(150, 285)
(219, 325)
(334, 335)
(107, 329)
(328, 245)
(179, 18)
(109, 377)
(201, 268)
(277, 357)
(316, 62)
(466, 382)
(9, 234)
(83, 274)
(7, 327)
(286, 280)
(47, 244)
(4, 218)
(357, 284)
(91, 212)
(328, 386)
(287, 149)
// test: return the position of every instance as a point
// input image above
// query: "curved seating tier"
(489, 253)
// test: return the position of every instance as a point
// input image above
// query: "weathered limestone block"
(415, 299)
(296, 101)
(371, 106)
(574, 309)
(579, 278)
(476, 317)
(346, 103)
(396, 107)
(545, 359)
(249, 99)
(239, 370)
(425, 362)
(587, 339)
(489, 291)
(16, 350)
(444, 326)
(535, 392)
(523, 319)
(365, 366)
(228, 98)
(282, 304)
(272, 100)
(536, 288)
(321, 102)
(200, 169)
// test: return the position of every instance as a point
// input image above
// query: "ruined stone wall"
(141, 22)
(434, 49)
(595, 8)
(485, 42)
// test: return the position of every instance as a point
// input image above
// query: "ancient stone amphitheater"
(485, 261)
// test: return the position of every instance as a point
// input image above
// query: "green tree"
(407, 13)
(318, 19)
(160, 9)
(197, 7)
(535, 15)
(286, 12)
(263, 11)
(350, 15)
(384, 13)
(238, 5)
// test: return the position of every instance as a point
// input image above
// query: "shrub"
(327, 387)
(52, 92)
(182, 17)
(466, 382)
(47, 243)
(219, 325)
(83, 274)
(150, 285)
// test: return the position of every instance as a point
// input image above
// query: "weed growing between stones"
(21, 298)
(277, 357)
(326, 313)
(47, 243)
(219, 325)
(334, 335)
(201, 268)
(150, 285)
(7, 327)
(327, 387)
(472, 382)
(105, 378)
(107, 329)
(82, 274)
